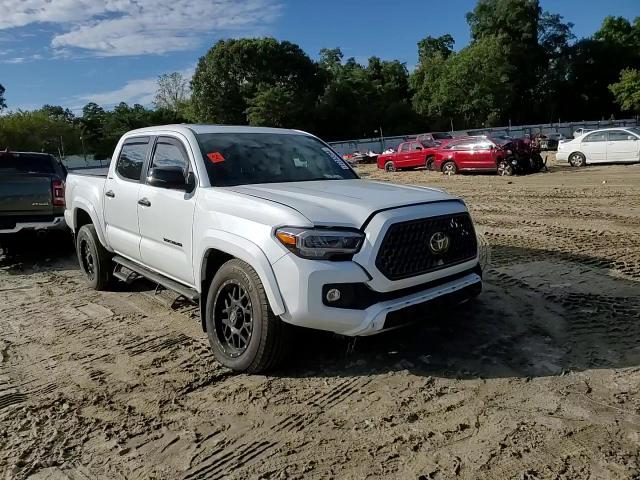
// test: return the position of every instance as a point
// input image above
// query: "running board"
(158, 278)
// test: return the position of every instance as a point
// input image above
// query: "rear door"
(463, 154)
(622, 146)
(484, 155)
(166, 216)
(594, 147)
(121, 197)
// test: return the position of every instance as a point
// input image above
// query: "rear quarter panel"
(85, 192)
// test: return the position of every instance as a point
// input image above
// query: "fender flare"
(247, 251)
(80, 204)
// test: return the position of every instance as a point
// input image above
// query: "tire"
(449, 168)
(429, 162)
(577, 159)
(94, 259)
(536, 163)
(505, 169)
(389, 167)
(257, 340)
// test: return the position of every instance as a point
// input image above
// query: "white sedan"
(602, 146)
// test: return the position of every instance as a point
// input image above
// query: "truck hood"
(342, 202)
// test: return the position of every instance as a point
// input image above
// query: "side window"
(416, 146)
(464, 146)
(484, 145)
(404, 147)
(596, 137)
(132, 157)
(619, 136)
(168, 153)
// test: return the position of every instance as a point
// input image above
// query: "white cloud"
(134, 27)
(140, 91)
(15, 60)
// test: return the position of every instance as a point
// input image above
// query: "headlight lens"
(320, 244)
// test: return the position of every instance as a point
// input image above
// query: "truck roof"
(203, 128)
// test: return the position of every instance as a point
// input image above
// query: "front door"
(594, 147)
(166, 217)
(622, 147)
(121, 198)
(404, 155)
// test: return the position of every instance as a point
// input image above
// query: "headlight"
(320, 244)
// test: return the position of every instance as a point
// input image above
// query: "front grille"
(405, 251)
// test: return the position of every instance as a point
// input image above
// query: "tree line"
(522, 65)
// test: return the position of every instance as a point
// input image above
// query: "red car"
(409, 155)
(500, 154)
(470, 154)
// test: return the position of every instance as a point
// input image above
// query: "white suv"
(269, 227)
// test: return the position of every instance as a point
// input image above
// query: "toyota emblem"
(439, 243)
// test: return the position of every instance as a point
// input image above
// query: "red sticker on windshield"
(215, 157)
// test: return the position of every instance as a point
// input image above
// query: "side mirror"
(169, 177)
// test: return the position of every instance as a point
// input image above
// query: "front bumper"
(53, 224)
(301, 284)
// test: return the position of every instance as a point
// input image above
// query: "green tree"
(230, 76)
(627, 90)
(3, 103)
(619, 31)
(274, 106)
(431, 46)
(593, 64)
(358, 100)
(39, 131)
(470, 88)
(173, 92)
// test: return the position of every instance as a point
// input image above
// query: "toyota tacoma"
(268, 228)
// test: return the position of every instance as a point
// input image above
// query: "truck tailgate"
(25, 195)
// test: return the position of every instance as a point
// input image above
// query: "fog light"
(333, 295)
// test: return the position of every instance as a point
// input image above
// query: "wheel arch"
(225, 246)
(84, 214)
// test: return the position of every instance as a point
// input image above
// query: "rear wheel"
(389, 167)
(95, 260)
(449, 168)
(244, 333)
(577, 159)
(429, 162)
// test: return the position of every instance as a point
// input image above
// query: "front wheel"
(449, 168)
(389, 167)
(243, 332)
(505, 169)
(577, 159)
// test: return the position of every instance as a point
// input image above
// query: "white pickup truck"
(266, 228)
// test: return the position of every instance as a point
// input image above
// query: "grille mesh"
(405, 251)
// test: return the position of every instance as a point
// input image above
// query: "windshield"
(26, 163)
(502, 140)
(442, 136)
(249, 158)
(635, 130)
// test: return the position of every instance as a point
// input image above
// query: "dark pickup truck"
(31, 193)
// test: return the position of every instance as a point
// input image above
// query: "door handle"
(144, 202)
(110, 194)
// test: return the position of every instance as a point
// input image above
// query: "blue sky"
(70, 52)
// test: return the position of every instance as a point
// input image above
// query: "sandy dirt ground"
(538, 378)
